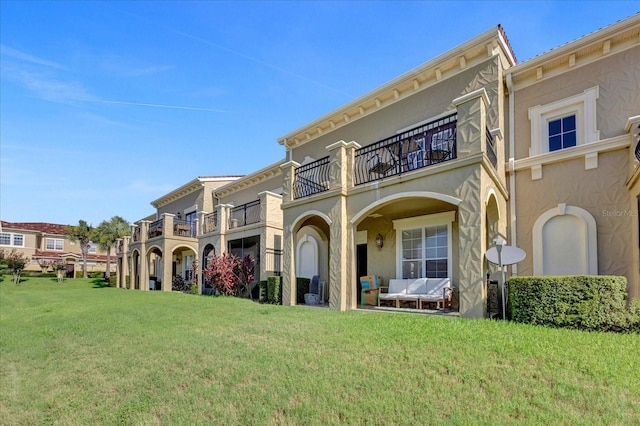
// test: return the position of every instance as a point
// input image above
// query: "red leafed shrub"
(230, 275)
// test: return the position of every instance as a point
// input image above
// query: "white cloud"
(25, 57)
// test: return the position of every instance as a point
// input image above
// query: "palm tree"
(83, 233)
(107, 234)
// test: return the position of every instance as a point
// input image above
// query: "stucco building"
(418, 177)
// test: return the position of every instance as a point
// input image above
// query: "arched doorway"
(208, 252)
(311, 255)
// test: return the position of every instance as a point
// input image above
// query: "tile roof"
(47, 228)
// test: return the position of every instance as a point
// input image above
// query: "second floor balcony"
(245, 214)
(422, 146)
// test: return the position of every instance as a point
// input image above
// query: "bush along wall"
(274, 290)
(583, 302)
(302, 288)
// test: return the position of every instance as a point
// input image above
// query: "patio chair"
(370, 285)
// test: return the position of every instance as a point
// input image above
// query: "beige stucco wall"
(599, 191)
(618, 77)
(181, 204)
(422, 105)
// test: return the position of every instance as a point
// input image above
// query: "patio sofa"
(420, 291)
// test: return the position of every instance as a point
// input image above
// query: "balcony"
(422, 146)
(311, 178)
(184, 228)
(155, 229)
(135, 237)
(245, 214)
(210, 223)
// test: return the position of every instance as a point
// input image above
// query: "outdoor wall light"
(177, 260)
(379, 241)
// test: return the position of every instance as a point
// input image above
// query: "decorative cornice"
(433, 72)
(248, 181)
(600, 44)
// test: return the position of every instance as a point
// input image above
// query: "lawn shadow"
(99, 283)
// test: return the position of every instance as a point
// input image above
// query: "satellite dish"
(510, 255)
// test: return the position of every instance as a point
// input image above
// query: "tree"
(83, 233)
(231, 275)
(15, 262)
(108, 233)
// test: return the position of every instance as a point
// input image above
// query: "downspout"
(512, 171)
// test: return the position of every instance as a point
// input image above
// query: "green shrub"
(302, 288)
(583, 302)
(274, 290)
(262, 291)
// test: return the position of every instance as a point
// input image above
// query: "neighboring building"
(574, 181)
(246, 220)
(45, 242)
(164, 245)
(207, 216)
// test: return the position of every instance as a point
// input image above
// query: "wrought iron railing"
(491, 150)
(210, 223)
(136, 234)
(184, 228)
(246, 214)
(273, 261)
(311, 178)
(422, 146)
(155, 228)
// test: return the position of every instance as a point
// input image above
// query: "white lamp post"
(499, 243)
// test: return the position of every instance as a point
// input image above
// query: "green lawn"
(79, 354)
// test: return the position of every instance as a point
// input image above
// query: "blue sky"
(106, 106)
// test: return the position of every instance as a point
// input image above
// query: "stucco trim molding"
(590, 238)
(411, 194)
(586, 151)
(310, 213)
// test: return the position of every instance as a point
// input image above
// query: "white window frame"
(12, 241)
(10, 236)
(446, 218)
(46, 244)
(583, 106)
(93, 248)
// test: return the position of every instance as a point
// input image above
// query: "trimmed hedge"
(274, 290)
(582, 302)
(302, 288)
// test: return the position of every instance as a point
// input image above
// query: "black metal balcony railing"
(184, 228)
(155, 229)
(246, 214)
(311, 178)
(422, 146)
(136, 234)
(491, 150)
(210, 223)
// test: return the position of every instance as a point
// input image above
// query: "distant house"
(44, 242)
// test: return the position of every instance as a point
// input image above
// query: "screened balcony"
(245, 214)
